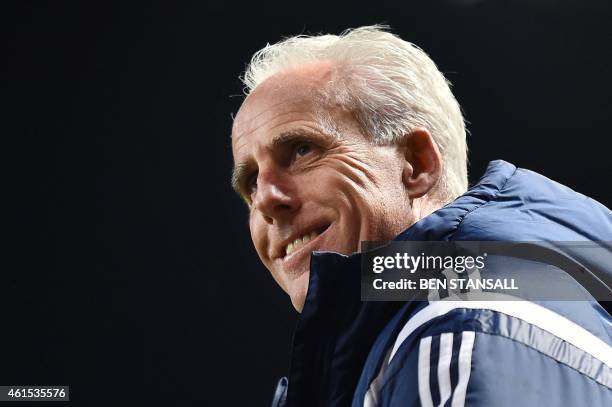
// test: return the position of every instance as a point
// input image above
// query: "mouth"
(303, 240)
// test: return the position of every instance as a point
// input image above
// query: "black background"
(127, 268)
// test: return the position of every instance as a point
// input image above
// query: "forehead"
(288, 97)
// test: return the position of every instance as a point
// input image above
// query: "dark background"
(127, 268)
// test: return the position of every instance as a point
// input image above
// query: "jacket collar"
(334, 334)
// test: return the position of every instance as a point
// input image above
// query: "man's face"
(310, 187)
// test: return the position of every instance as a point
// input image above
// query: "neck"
(421, 207)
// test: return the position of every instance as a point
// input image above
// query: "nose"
(275, 197)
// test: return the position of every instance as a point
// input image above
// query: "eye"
(302, 149)
(251, 185)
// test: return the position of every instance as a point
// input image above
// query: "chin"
(298, 291)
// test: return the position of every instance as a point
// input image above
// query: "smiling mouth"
(303, 240)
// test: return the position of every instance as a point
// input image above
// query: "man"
(353, 138)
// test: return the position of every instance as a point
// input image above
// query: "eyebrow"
(241, 170)
(238, 173)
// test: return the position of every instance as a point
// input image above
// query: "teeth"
(300, 241)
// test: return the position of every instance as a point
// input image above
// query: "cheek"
(332, 186)
(368, 207)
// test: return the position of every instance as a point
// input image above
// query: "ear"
(423, 162)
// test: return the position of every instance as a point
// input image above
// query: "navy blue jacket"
(452, 353)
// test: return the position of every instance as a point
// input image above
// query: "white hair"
(389, 84)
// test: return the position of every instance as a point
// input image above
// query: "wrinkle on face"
(344, 180)
(240, 135)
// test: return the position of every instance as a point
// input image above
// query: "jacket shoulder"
(531, 207)
(503, 353)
